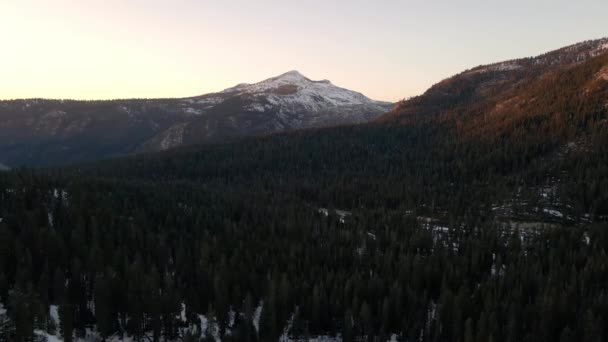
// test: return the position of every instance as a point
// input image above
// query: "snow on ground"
(587, 238)
(54, 314)
(553, 212)
(50, 218)
(285, 335)
(182, 314)
(549, 191)
(209, 101)
(342, 214)
(211, 327)
(231, 318)
(204, 323)
(432, 224)
(505, 66)
(49, 337)
(193, 111)
(60, 194)
(256, 316)
(256, 107)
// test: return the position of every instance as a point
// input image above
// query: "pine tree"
(7, 327)
(347, 327)
(366, 320)
(3, 288)
(103, 310)
(246, 325)
(66, 321)
(567, 335)
(469, 333)
(268, 318)
(22, 307)
(59, 283)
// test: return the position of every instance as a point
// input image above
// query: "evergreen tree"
(66, 321)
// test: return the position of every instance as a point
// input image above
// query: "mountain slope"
(46, 132)
(485, 86)
(287, 102)
(547, 132)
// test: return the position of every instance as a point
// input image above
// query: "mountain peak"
(292, 75)
(292, 92)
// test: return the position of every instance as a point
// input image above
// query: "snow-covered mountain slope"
(289, 101)
(285, 102)
(293, 89)
(43, 132)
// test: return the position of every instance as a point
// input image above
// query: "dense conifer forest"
(356, 232)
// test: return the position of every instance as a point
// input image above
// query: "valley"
(476, 211)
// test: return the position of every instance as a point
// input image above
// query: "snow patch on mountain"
(208, 101)
(193, 111)
(173, 137)
(576, 53)
(601, 47)
(603, 74)
(504, 66)
(285, 102)
(294, 91)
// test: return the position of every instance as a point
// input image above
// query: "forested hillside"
(484, 87)
(487, 224)
(122, 257)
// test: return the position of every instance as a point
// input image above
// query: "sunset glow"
(386, 49)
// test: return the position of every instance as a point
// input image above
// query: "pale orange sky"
(388, 50)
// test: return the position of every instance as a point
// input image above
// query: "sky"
(387, 49)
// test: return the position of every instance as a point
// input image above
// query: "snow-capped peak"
(293, 88)
(294, 100)
(293, 75)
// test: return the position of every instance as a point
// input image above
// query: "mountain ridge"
(50, 132)
(485, 83)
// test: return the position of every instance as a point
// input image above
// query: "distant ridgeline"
(483, 219)
(40, 132)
